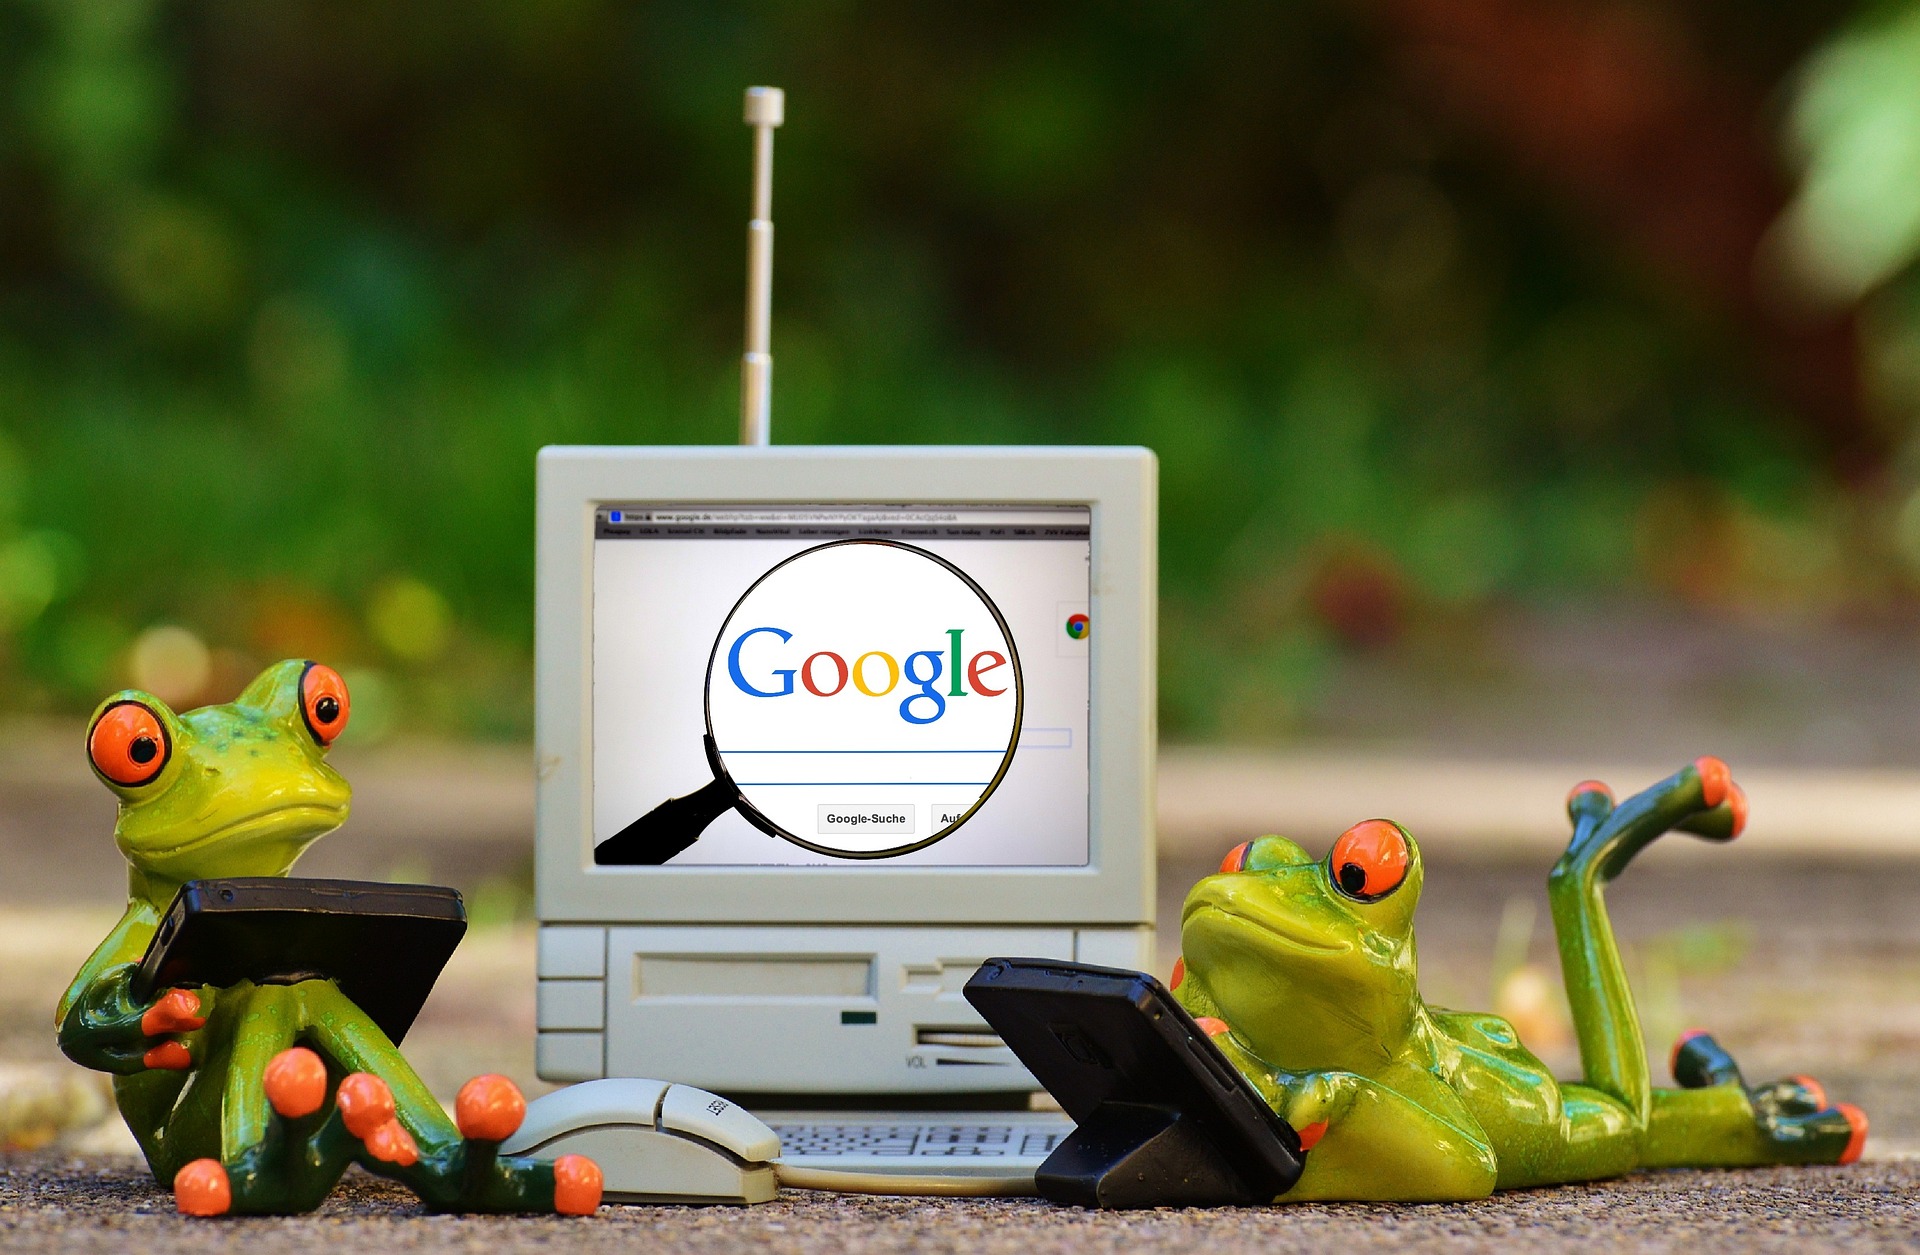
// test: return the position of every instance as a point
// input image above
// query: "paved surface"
(1513, 807)
(51, 1204)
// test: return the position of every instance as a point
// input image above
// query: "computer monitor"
(820, 729)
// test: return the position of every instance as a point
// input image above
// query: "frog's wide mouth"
(1268, 923)
(315, 816)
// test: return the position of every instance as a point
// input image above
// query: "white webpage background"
(658, 603)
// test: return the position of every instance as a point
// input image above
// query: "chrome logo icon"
(1078, 627)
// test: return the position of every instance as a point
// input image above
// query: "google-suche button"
(867, 817)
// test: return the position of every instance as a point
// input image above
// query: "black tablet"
(383, 944)
(1164, 1119)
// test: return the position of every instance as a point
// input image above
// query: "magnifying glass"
(863, 700)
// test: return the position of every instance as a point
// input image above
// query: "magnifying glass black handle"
(668, 828)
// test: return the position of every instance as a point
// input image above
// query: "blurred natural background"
(1479, 341)
(1536, 385)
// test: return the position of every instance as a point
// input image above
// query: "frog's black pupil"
(143, 750)
(1353, 878)
(327, 709)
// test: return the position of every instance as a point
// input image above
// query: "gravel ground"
(52, 1204)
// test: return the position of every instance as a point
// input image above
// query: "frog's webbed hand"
(1367, 1141)
(106, 1030)
(1313, 1103)
(1308, 1102)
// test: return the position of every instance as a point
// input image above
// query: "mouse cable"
(885, 1183)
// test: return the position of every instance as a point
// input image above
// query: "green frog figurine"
(255, 1098)
(1302, 970)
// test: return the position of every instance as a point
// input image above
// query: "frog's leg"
(405, 1134)
(281, 1151)
(1718, 1121)
(1613, 1054)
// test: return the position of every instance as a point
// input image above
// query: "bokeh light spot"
(410, 619)
(172, 663)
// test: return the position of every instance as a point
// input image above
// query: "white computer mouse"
(656, 1142)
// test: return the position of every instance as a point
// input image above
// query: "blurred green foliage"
(1857, 126)
(1854, 232)
(290, 294)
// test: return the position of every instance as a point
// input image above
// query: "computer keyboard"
(917, 1141)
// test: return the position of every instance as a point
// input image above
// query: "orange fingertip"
(577, 1185)
(1179, 972)
(202, 1189)
(1589, 786)
(1210, 1026)
(1816, 1091)
(296, 1082)
(489, 1108)
(1715, 778)
(1236, 859)
(177, 1011)
(168, 1056)
(1673, 1056)
(365, 1104)
(1857, 1121)
(1737, 803)
(1311, 1135)
(391, 1143)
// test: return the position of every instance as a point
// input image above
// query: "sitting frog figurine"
(255, 1098)
(1302, 971)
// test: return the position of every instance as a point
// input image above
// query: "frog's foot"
(1698, 1061)
(292, 1167)
(367, 1111)
(1792, 1113)
(1827, 1134)
(489, 1110)
(1701, 798)
(1790, 1096)
(471, 1175)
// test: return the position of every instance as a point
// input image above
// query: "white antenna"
(766, 109)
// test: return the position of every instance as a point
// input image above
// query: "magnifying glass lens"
(864, 697)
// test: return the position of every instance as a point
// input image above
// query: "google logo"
(875, 673)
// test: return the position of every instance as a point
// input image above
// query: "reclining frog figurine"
(256, 1098)
(1302, 971)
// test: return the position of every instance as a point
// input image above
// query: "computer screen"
(735, 645)
(900, 684)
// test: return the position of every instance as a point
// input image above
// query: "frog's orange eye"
(1370, 860)
(129, 744)
(1236, 859)
(323, 702)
